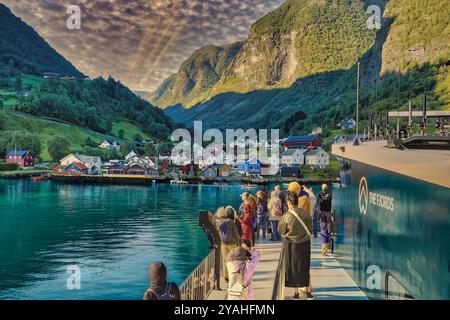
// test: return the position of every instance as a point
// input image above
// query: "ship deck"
(431, 166)
(329, 280)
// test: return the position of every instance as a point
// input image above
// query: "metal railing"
(202, 281)
(278, 286)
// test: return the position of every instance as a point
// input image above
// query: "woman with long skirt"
(295, 227)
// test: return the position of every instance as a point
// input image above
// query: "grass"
(130, 130)
(24, 171)
(47, 129)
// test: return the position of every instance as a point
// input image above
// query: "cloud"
(140, 42)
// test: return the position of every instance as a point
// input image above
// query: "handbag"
(301, 222)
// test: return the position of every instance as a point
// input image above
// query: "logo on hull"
(363, 196)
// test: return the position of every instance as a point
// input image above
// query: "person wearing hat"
(160, 289)
(324, 206)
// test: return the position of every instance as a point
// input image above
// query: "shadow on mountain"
(325, 98)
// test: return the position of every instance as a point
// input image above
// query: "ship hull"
(393, 234)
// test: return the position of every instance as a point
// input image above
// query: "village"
(299, 157)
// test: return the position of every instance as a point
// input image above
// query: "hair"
(230, 212)
(292, 198)
(277, 187)
(273, 194)
(324, 187)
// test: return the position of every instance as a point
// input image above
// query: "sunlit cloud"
(139, 42)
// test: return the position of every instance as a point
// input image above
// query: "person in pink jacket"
(241, 263)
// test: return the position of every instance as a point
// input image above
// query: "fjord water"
(111, 233)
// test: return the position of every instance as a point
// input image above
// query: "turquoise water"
(111, 233)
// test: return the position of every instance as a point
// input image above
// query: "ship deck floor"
(329, 280)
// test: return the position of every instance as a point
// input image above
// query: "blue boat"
(393, 219)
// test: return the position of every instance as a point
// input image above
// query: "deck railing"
(278, 286)
(202, 281)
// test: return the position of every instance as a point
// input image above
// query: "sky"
(139, 42)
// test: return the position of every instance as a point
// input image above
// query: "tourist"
(275, 212)
(241, 263)
(247, 222)
(262, 214)
(282, 197)
(303, 196)
(160, 289)
(324, 206)
(295, 228)
(231, 214)
(229, 237)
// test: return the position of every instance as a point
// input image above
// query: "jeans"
(262, 224)
(275, 234)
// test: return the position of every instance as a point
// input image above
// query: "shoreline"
(141, 180)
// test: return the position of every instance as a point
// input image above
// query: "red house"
(301, 142)
(23, 158)
(190, 169)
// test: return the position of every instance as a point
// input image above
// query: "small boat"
(37, 179)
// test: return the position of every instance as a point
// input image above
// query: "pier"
(329, 280)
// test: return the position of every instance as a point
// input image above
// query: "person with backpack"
(262, 214)
(160, 289)
(229, 237)
(275, 212)
(282, 197)
(241, 264)
(295, 228)
(248, 223)
(325, 218)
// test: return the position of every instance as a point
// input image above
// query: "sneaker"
(296, 296)
(309, 296)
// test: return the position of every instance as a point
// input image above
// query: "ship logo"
(363, 196)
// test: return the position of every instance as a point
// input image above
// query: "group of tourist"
(284, 215)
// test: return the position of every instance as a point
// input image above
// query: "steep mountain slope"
(23, 51)
(197, 75)
(75, 109)
(302, 58)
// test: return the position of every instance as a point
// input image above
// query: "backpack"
(278, 212)
(225, 233)
(165, 296)
(254, 222)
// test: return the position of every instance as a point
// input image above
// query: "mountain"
(197, 75)
(23, 51)
(301, 58)
(70, 107)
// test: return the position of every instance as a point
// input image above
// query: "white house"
(109, 145)
(293, 157)
(131, 154)
(140, 160)
(317, 158)
(94, 164)
(348, 123)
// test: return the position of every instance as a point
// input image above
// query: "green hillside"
(23, 51)
(302, 57)
(34, 110)
(197, 75)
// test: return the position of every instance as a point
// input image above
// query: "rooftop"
(302, 138)
(17, 153)
(426, 165)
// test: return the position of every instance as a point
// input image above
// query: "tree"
(121, 134)
(90, 143)
(1, 104)
(18, 84)
(58, 147)
(10, 140)
(137, 136)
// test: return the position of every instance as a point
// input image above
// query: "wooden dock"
(329, 280)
